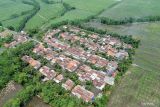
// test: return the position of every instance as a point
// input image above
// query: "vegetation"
(137, 84)
(43, 13)
(108, 21)
(11, 58)
(22, 97)
(8, 39)
(0, 23)
(134, 9)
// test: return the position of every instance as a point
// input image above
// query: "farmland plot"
(133, 8)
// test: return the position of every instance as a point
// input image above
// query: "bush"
(11, 28)
(0, 23)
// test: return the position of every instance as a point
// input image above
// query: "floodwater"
(9, 92)
(37, 102)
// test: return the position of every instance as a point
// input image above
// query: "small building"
(111, 68)
(99, 84)
(59, 78)
(46, 71)
(82, 93)
(68, 85)
(121, 54)
(34, 63)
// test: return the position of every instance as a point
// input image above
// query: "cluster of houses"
(106, 44)
(84, 72)
(82, 55)
(72, 59)
(20, 38)
(32, 62)
(50, 74)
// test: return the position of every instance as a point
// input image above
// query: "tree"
(13, 103)
(22, 78)
(32, 32)
(0, 23)
(11, 28)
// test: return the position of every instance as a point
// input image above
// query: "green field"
(83, 10)
(140, 87)
(46, 13)
(49, 13)
(133, 8)
(11, 7)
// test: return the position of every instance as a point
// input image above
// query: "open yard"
(140, 86)
(133, 8)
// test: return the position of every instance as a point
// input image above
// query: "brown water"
(9, 92)
(37, 102)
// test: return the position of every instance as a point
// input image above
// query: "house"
(109, 80)
(65, 36)
(99, 84)
(68, 85)
(85, 73)
(77, 53)
(111, 68)
(98, 61)
(72, 65)
(46, 71)
(34, 63)
(74, 29)
(92, 46)
(127, 46)
(58, 45)
(102, 62)
(93, 59)
(74, 38)
(17, 40)
(111, 52)
(59, 78)
(121, 54)
(67, 63)
(94, 36)
(52, 32)
(82, 93)
(45, 52)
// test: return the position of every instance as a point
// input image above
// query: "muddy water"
(37, 102)
(9, 92)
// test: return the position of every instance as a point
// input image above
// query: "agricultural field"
(140, 86)
(132, 8)
(47, 13)
(83, 9)
(9, 8)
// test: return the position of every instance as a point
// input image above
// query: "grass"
(46, 13)
(83, 10)
(49, 13)
(133, 8)
(14, 22)
(11, 7)
(140, 86)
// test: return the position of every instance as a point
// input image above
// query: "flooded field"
(9, 92)
(37, 102)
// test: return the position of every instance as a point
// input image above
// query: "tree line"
(109, 21)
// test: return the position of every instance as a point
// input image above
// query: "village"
(75, 51)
